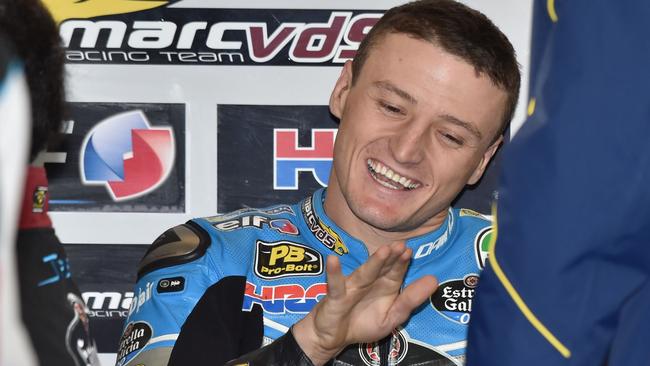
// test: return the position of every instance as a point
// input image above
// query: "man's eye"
(453, 139)
(391, 109)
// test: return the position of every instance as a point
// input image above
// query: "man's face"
(418, 115)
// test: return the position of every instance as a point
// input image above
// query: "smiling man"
(422, 110)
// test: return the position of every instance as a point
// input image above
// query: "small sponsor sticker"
(468, 212)
(322, 231)
(38, 199)
(285, 258)
(173, 284)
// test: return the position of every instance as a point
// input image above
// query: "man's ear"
(341, 90)
(487, 156)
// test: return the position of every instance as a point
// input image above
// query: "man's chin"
(380, 220)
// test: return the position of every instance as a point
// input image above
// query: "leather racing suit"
(215, 288)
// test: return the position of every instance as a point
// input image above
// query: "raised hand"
(363, 307)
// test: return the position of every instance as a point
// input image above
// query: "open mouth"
(388, 178)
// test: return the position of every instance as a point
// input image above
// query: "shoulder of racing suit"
(178, 245)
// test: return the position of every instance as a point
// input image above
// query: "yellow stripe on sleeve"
(550, 7)
(536, 323)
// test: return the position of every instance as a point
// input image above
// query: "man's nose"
(408, 144)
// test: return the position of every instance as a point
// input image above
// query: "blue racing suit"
(215, 288)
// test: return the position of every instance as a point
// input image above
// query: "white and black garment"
(52, 308)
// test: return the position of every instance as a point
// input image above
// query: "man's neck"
(338, 210)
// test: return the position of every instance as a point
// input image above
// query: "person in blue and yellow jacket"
(568, 281)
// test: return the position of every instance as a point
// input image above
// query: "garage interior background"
(208, 99)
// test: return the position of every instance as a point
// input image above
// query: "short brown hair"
(34, 34)
(459, 30)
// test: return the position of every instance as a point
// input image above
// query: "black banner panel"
(120, 157)
(105, 274)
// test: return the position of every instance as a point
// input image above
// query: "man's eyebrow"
(464, 124)
(388, 86)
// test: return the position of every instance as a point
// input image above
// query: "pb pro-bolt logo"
(127, 156)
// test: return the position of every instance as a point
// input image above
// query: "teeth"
(377, 168)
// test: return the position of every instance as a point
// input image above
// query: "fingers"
(387, 262)
(412, 296)
(335, 278)
(397, 270)
(367, 273)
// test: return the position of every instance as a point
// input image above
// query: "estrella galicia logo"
(127, 156)
(454, 298)
(135, 338)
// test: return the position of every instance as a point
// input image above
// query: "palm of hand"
(363, 307)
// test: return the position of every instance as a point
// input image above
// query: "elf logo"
(280, 225)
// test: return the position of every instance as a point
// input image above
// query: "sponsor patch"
(282, 226)
(321, 231)
(173, 284)
(472, 213)
(285, 258)
(277, 210)
(370, 354)
(290, 298)
(135, 337)
(433, 246)
(482, 246)
(38, 199)
(454, 298)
